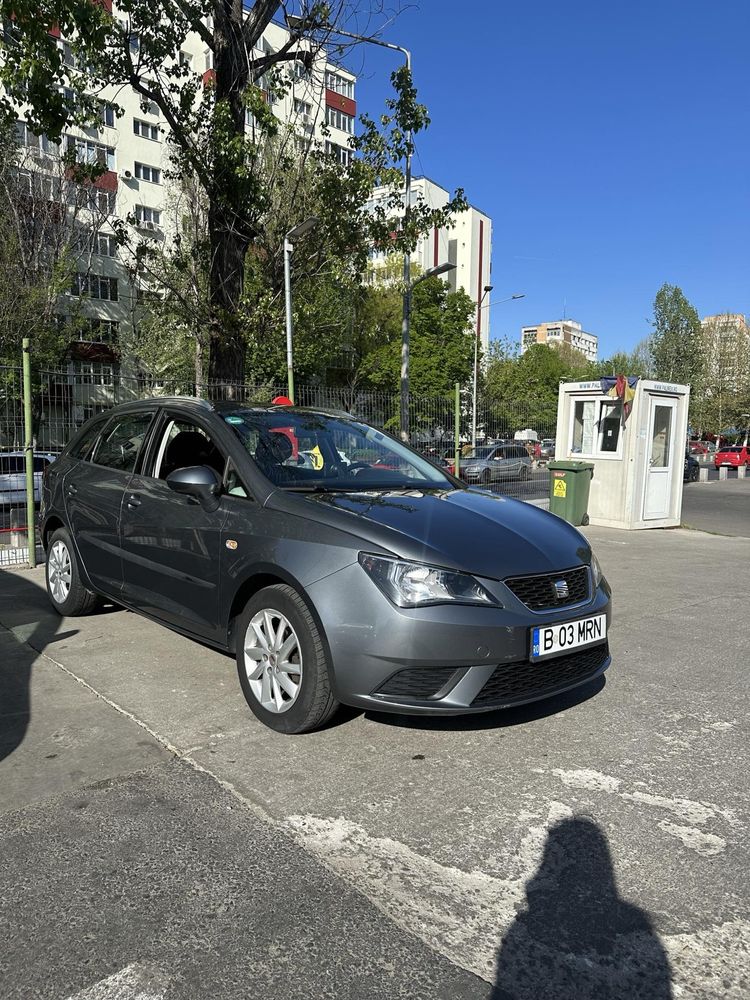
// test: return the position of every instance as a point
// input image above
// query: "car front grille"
(417, 682)
(524, 680)
(538, 593)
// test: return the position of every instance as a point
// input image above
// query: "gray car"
(491, 463)
(335, 563)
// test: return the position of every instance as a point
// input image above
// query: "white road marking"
(465, 916)
(699, 841)
(135, 982)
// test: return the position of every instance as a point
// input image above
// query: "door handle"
(72, 490)
(134, 501)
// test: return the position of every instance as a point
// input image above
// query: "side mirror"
(199, 481)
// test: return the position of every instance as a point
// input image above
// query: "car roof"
(223, 406)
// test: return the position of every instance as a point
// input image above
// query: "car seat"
(191, 448)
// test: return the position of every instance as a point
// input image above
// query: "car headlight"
(596, 571)
(414, 585)
(471, 468)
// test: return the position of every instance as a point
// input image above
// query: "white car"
(13, 476)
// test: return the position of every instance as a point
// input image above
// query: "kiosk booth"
(634, 432)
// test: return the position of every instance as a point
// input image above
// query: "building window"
(186, 59)
(340, 153)
(96, 286)
(96, 372)
(148, 215)
(144, 172)
(97, 331)
(302, 108)
(107, 113)
(86, 151)
(145, 130)
(338, 119)
(339, 84)
(104, 244)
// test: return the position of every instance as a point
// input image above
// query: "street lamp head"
(302, 227)
(488, 288)
(431, 272)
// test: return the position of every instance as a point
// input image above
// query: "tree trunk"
(228, 216)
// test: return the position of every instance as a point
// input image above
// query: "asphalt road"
(723, 513)
(157, 843)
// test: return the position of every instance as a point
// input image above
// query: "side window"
(40, 464)
(182, 444)
(10, 465)
(233, 483)
(85, 443)
(121, 441)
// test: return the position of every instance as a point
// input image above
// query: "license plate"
(547, 640)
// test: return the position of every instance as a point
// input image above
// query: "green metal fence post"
(457, 428)
(29, 451)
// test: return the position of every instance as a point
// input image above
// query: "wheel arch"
(51, 525)
(268, 576)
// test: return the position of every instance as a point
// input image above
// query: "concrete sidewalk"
(601, 837)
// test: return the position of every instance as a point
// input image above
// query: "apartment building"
(467, 244)
(136, 187)
(562, 331)
(726, 348)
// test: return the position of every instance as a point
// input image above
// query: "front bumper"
(447, 659)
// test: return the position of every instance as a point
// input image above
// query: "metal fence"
(61, 401)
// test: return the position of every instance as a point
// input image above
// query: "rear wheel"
(524, 473)
(65, 588)
(485, 477)
(282, 663)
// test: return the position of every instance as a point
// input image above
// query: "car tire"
(276, 622)
(524, 474)
(66, 591)
(485, 478)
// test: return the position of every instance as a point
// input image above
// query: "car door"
(93, 492)
(170, 543)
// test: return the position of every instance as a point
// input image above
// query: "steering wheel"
(358, 465)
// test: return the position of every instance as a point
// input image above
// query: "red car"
(699, 448)
(733, 455)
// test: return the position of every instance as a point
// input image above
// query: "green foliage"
(676, 346)
(441, 344)
(533, 377)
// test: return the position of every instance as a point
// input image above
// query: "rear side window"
(11, 465)
(85, 443)
(122, 441)
(40, 464)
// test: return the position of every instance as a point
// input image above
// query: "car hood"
(478, 532)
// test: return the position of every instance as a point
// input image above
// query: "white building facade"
(135, 186)
(467, 244)
(562, 331)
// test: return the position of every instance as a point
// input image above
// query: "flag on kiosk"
(621, 387)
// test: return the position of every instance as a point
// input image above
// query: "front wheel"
(524, 473)
(65, 588)
(282, 663)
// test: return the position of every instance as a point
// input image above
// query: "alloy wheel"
(273, 660)
(59, 572)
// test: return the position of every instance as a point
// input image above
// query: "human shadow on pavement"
(24, 609)
(502, 718)
(576, 939)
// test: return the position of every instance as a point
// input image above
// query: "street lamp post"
(293, 233)
(298, 23)
(487, 289)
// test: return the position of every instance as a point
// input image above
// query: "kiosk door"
(661, 464)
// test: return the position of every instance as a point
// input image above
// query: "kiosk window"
(583, 427)
(609, 427)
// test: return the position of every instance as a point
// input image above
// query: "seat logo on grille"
(561, 589)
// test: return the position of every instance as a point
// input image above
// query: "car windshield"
(315, 451)
(479, 453)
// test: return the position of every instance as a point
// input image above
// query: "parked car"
(13, 476)
(698, 447)
(733, 455)
(492, 463)
(692, 469)
(547, 449)
(390, 588)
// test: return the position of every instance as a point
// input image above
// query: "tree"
(676, 343)
(441, 347)
(206, 118)
(636, 362)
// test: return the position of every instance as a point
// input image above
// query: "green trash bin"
(569, 484)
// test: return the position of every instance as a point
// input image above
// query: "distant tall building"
(726, 348)
(562, 331)
(468, 245)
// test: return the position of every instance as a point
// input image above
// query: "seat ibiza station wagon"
(337, 564)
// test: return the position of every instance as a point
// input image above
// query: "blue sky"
(609, 142)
